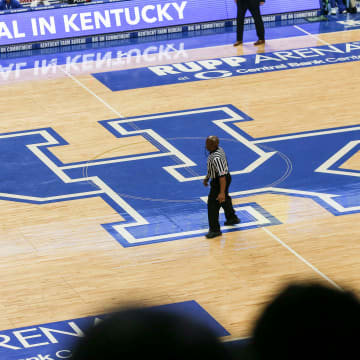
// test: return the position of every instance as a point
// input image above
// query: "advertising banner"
(111, 17)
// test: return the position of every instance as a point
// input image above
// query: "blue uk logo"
(160, 194)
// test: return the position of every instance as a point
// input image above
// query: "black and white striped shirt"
(217, 164)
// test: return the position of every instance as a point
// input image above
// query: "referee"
(218, 172)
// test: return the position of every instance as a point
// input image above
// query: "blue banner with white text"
(111, 17)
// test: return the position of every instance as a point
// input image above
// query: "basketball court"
(102, 201)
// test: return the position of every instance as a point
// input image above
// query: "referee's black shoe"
(212, 234)
(233, 221)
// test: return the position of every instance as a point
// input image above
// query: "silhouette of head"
(308, 321)
(138, 333)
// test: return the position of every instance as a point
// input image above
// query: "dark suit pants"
(254, 8)
(214, 205)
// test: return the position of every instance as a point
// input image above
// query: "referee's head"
(212, 143)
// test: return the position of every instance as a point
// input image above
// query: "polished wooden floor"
(57, 262)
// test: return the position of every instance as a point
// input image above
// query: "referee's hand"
(221, 198)
(205, 182)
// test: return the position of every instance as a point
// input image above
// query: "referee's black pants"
(254, 8)
(214, 205)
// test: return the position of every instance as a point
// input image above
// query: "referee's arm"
(220, 167)
(206, 179)
(221, 197)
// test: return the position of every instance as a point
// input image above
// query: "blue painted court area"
(210, 69)
(173, 207)
(164, 45)
(55, 341)
(335, 23)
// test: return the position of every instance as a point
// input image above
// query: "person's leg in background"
(324, 6)
(259, 24)
(333, 7)
(241, 10)
(341, 6)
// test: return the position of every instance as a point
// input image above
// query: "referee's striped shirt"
(217, 164)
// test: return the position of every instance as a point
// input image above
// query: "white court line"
(312, 35)
(91, 92)
(264, 229)
(301, 258)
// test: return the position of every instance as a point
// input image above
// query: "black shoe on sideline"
(212, 234)
(232, 222)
